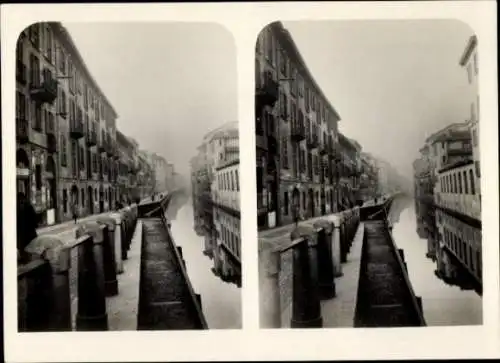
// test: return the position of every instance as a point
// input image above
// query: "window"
(476, 68)
(306, 98)
(37, 112)
(284, 146)
(20, 49)
(38, 176)
(49, 46)
(74, 154)
(65, 201)
(35, 71)
(459, 177)
(455, 183)
(294, 112)
(285, 204)
(283, 106)
(269, 48)
(466, 186)
(64, 146)
(35, 35)
(283, 64)
(237, 181)
(472, 184)
(82, 193)
(21, 106)
(62, 61)
(478, 169)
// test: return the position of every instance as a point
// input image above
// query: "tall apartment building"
(296, 132)
(65, 128)
(469, 61)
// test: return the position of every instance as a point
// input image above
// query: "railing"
(302, 273)
(84, 270)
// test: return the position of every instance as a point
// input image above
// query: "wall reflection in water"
(448, 293)
(453, 243)
(209, 274)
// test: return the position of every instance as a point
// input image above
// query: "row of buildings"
(215, 186)
(447, 180)
(69, 149)
(298, 144)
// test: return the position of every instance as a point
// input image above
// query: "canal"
(442, 304)
(221, 301)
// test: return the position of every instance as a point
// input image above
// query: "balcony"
(76, 129)
(267, 94)
(22, 130)
(21, 72)
(312, 141)
(298, 131)
(46, 92)
(91, 138)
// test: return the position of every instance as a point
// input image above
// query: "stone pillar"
(110, 281)
(270, 308)
(117, 245)
(337, 265)
(326, 278)
(54, 288)
(91, 314)
(306, 308)
(343, 238)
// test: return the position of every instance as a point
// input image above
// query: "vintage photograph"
(368, 174)
(127, 159)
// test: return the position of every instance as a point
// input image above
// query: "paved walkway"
(339, 312)
(123, 308)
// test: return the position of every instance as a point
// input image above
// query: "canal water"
(442, 304)
(221, 301)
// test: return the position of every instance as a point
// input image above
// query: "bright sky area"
(170, 83)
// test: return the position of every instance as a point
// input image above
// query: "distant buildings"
(69, 150)
(215, 188)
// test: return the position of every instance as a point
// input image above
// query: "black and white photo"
(353, 231)
(108, 117)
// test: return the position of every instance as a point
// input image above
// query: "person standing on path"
(27, 223)
(74, 209)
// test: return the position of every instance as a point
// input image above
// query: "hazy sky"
(392, 82)
(170, 82)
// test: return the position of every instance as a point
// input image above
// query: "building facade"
(66, 129)
(296, 133)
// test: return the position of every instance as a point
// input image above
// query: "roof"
(452, 127)
(285, 35)
(74, 52)
(471, 44)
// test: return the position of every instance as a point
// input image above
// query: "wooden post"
(306, 308)
(270, 307)
(91, 314)
(326, 279)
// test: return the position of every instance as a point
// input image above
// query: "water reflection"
(446, 301)
(221, 301)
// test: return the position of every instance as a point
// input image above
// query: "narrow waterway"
(221, 301)
(442, 304)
